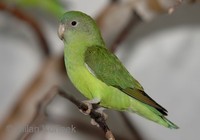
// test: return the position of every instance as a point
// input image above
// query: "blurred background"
(161, 50)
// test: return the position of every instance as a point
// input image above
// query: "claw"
(87, 112)
(89, 104)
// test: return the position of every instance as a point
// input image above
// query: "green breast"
(79, 75)
(90, 86)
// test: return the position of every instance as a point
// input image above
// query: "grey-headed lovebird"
(99, 75)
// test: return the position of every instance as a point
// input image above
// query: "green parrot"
(99, 75)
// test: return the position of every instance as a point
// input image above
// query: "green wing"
(107, 67)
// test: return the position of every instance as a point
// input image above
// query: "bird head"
(77, 26)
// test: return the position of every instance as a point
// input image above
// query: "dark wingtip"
(157, 106)
(163, 111)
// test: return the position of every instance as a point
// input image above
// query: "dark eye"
(73, 23)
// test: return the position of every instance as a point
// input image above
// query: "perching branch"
(99, 119)
(40, 115)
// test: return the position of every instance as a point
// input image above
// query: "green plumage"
(98, 74)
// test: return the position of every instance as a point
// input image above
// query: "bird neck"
(74, 52)
(74, 55)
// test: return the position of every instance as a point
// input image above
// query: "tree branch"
(172, 8)
(47, 76)
(135, 19)
(40, 115)
(93, 114)
(29, 20)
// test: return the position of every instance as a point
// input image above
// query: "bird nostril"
(61, 30)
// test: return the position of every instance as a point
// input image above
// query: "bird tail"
(152, 114)
(170, 125)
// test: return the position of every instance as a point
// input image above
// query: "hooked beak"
(61, 31)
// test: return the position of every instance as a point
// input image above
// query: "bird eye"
(73, 23)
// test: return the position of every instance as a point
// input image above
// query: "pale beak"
(61, 31)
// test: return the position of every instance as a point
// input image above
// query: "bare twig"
(133, 22)
(193, 1)
(156, 6)
(93, 114)
(29, 20)
(172, 9)
(39, 118)
(40, 115)
(47, 77)
(105, 11)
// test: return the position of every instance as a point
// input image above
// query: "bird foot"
(89, 104)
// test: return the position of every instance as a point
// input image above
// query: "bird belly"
(93, 88)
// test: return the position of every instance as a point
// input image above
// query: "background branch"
(176, 5)
(135, 19)
(31, 22)
(40, 115)
(25, 108)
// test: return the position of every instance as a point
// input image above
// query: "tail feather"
(164, 121)
(171, 125)
(152, 114)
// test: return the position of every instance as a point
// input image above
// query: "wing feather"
(107, 68)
